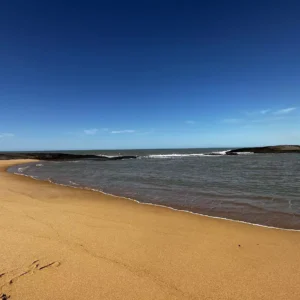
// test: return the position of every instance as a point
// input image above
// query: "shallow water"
(256, 188)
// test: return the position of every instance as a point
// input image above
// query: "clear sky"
(148, 74)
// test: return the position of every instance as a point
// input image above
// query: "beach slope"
(64, 243)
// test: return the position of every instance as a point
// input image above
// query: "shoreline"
(146, 203)
(65, 243)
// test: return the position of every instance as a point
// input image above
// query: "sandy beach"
(64, 243)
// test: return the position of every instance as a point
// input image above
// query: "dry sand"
(64, 243)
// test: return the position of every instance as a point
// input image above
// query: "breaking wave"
(21, 170)
(176, 155)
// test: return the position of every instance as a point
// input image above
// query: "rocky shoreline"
(59, 156)
(267, 149)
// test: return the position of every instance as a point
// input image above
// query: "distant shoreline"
(61, 155)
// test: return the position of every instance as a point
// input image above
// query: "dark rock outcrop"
(58, 156)
(231, 153)
(268, 149)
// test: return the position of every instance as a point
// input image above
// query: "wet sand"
(63, 243)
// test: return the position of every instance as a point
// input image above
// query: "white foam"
(108, 156)
(245, 153)
(21, 170)
(73, 183)
(39, 165)
(220, 152)
(177, 155)
(173, 155)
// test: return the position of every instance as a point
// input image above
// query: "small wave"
(110, 156)
(73, 183)
(245, 153)
(174, 155)
(39, 165)
(21, 170)
(220, 152)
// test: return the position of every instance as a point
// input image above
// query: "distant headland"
(59, 156)
(267, 149)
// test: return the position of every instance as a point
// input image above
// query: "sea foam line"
(158, 205)
(172, 155)
(176, 155)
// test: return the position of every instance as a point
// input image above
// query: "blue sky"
(148, 74)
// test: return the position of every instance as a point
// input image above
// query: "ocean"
(260, 189)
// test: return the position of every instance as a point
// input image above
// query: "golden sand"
(64, 243)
